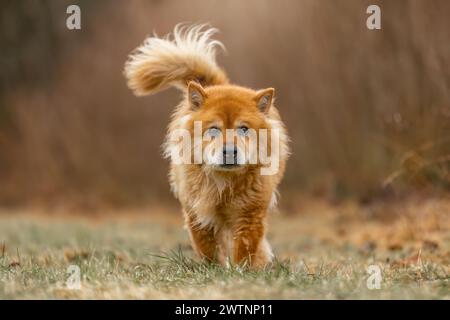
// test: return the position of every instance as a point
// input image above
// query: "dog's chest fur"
(215, 200)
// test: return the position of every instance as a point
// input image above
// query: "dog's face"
(233, 124)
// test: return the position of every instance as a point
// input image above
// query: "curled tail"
(190, 54)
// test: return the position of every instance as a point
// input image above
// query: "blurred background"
(368, 112)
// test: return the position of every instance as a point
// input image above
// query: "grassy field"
(322, 251)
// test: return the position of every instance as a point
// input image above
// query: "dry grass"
(322, 252)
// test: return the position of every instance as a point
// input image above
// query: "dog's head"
(230, 125)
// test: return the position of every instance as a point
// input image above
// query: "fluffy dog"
(225, 197)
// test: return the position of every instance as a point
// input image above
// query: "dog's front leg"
(248, 235)
(203, 240)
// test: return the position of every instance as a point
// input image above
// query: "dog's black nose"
(230, 154)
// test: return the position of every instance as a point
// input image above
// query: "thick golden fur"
(225, 211)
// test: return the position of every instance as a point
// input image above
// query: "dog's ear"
(196, 95)
(264, 99)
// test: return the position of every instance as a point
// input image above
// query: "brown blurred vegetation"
(367, 111)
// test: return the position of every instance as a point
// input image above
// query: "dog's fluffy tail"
(188, 55)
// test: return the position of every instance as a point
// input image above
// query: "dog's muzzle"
(229, 156)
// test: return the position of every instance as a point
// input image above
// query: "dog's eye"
(242, 131)
(213, 132)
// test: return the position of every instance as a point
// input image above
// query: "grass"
(322, 253)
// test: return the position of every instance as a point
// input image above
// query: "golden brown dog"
(224, 194)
